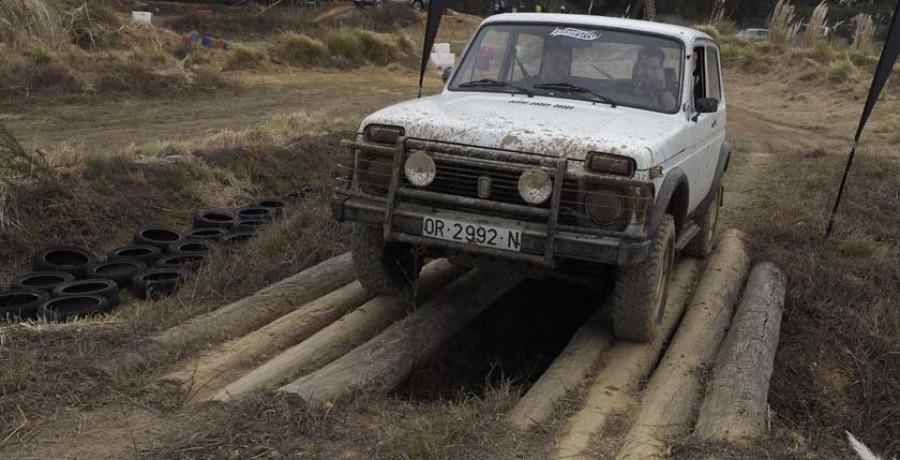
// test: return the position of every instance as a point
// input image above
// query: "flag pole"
(889, 54)
(837, 201)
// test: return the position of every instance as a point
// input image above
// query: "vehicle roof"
(682, 33)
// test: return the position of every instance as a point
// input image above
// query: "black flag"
(435, 10)
(889, 55)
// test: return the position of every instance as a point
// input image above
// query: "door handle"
(714, 123)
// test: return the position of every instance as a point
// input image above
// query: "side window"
(529, 49)
(698, 74)
(714, 78)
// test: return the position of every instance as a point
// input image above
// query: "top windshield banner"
(587, 35)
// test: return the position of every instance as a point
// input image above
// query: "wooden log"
(674, 389)
(238, 317)
(385, 361)
(213, 370)
(612, 392)
(340, 337)
(734, 409)
(564, 374)
(264, 306)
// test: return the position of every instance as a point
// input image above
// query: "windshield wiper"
(494, 83)
(570, 88)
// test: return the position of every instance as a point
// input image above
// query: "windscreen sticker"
(587, 35)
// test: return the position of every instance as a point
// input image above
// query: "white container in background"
(142, 16)
(442, 60)
(441, 48)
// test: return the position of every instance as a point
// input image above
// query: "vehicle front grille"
(462, 180)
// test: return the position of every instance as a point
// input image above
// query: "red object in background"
(484, 57)
(204, 13)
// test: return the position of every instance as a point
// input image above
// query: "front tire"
(383, 268)
(641, 289)
(702, 244)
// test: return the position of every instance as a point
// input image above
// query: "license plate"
(478, 234)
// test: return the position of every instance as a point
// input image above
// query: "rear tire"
(383, 268)
(641, 289)
(702, 244)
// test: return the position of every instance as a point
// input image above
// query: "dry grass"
(297, 50)
(838, 365)
(817, 25)
(863, 33)
(783, 24)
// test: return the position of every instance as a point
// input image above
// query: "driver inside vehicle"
(648, 79)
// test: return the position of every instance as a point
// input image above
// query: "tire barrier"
(206, 234)
(63, 259)
(160, 237)
(21, 303)
(64, 308)
(119, 271)
(67, 281)
(215, 219)
(142, 252)
(43, 281)
(107, 289)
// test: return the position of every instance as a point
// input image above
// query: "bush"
(297, 50)
(376, 49)
(241, 58)
(345, 44)
(842, 71)
(404, 43)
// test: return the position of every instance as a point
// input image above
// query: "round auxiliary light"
(605, 206)
(420, 169)
(535, 186)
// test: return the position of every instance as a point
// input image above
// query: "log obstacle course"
(320, 336)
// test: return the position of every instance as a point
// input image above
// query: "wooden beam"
(383, 362)
(340, 337)
(208, 373)
(612, 392)
(564, 374)
(673, 393)
(735, 408)
(264, 306)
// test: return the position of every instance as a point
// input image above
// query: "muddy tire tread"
(379, 269)
(634, 315)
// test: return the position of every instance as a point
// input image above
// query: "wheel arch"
(673, 198)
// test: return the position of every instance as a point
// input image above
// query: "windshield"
(593, 64)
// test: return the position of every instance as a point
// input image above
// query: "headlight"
(384, 134)
(605, 206)
(607, 163)
(535, 186)
(420, 169)
(374, 173)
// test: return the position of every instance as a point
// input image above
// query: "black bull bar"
(401, 220)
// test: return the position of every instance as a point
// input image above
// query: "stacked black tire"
(69, 282)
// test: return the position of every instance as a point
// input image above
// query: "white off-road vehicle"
(560, 144)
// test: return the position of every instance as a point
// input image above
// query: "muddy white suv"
(561, 144)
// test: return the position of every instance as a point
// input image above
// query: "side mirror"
(707, 105)
(446, 75)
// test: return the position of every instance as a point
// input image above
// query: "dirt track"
(122, 431)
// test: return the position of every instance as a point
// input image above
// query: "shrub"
(297, 50)
(404, 43)
(376, 49)
(841, 71)
(345, 44)
(241, 58)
